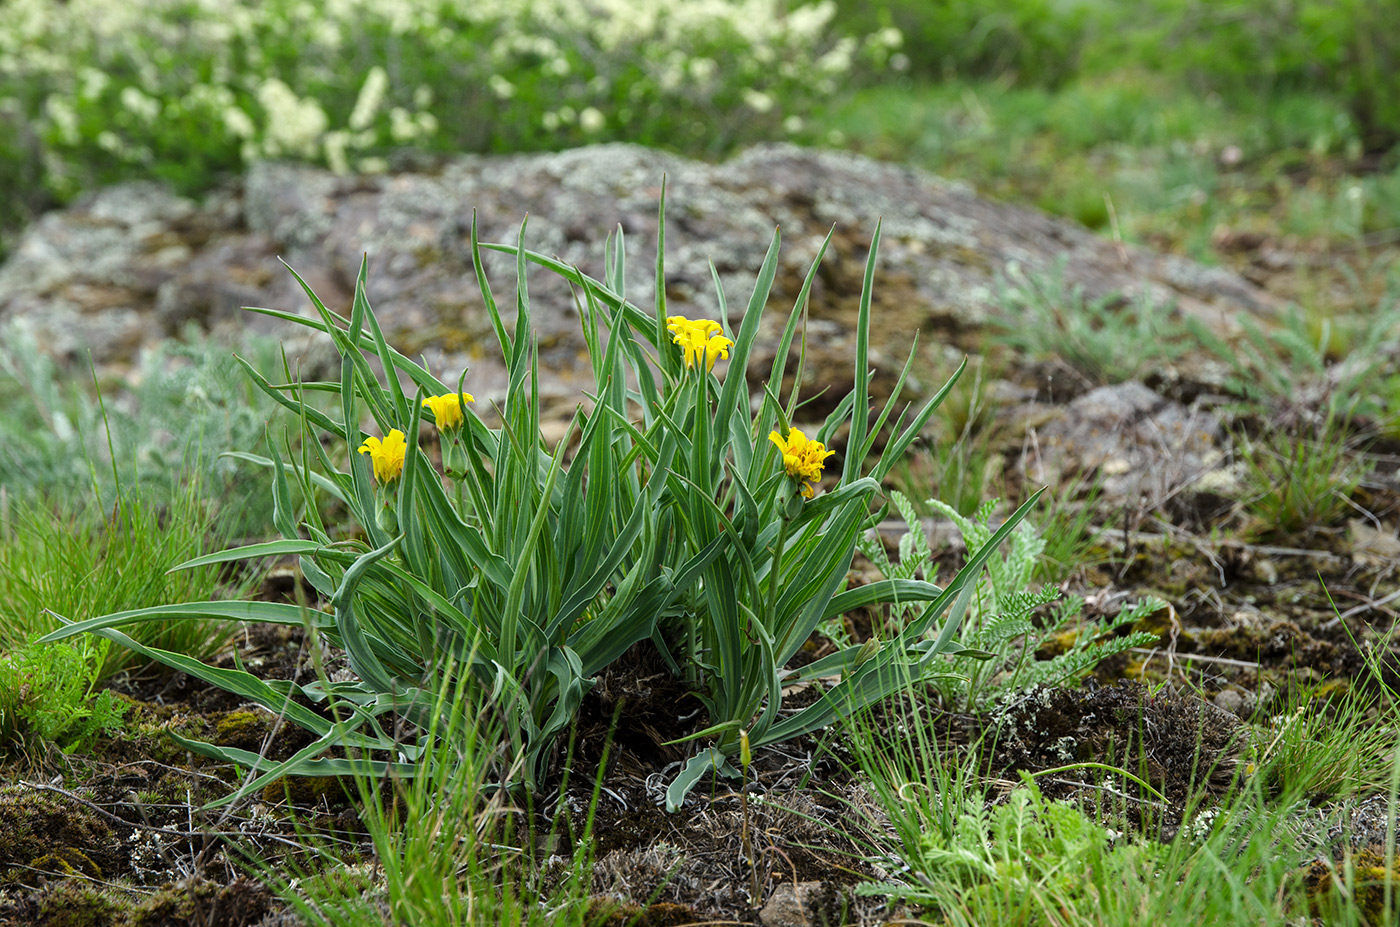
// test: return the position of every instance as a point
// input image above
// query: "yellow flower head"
(802, 459)
(447, 410)
(387, 455)
(698, 339)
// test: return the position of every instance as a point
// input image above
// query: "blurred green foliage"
(1350, 48)
(1036, 42)
(1243, 49)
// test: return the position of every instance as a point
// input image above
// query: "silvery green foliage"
(1292, 371)
(999, 630)
(1109, 339)
(528, 576)
(171, 422)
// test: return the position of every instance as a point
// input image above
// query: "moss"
(610, 914)
(340, 881)
(74, 903)
(206, 904)
(1364, 879)
(243, 730)
(1332, 690)
(38, 825)
(1135, 670)
(1060, 643)
(67, 861)
(172, 905)
(254, 730)
(307, 790)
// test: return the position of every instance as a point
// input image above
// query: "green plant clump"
(687, 518)
(1020, 862)
(1000, 636)
(1108, 340)
(48, 692)
(79, 560)
(165, 429)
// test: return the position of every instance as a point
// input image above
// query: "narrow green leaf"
(860, 411)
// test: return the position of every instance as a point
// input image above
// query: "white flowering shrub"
(189, 89)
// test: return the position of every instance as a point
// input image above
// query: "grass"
(1325, 749)
(962, 462)
(1295, 485)
(1071, 525)
(1137, 156)
(1108, 340)
(964, 857)
(448, 849)
(107, 489)
(79, 560)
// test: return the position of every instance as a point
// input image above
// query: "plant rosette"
(682, 516)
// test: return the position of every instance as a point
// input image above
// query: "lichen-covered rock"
(1145, 448)
(132, 264)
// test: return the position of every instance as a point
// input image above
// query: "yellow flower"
(802, 459)
(447, 410)
(387, 455)
(698, 339)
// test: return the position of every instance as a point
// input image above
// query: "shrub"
(1348, 47)
(1037, 42)
(697, 527)
(190, 90)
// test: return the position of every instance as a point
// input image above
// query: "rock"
(1372, 547)
(1232, 701)
(130, 264)
(1144, 447)
(804, 904)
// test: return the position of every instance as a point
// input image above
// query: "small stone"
(804, 904)
(1371, 547)
(1140, 443)
(1232, 701)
